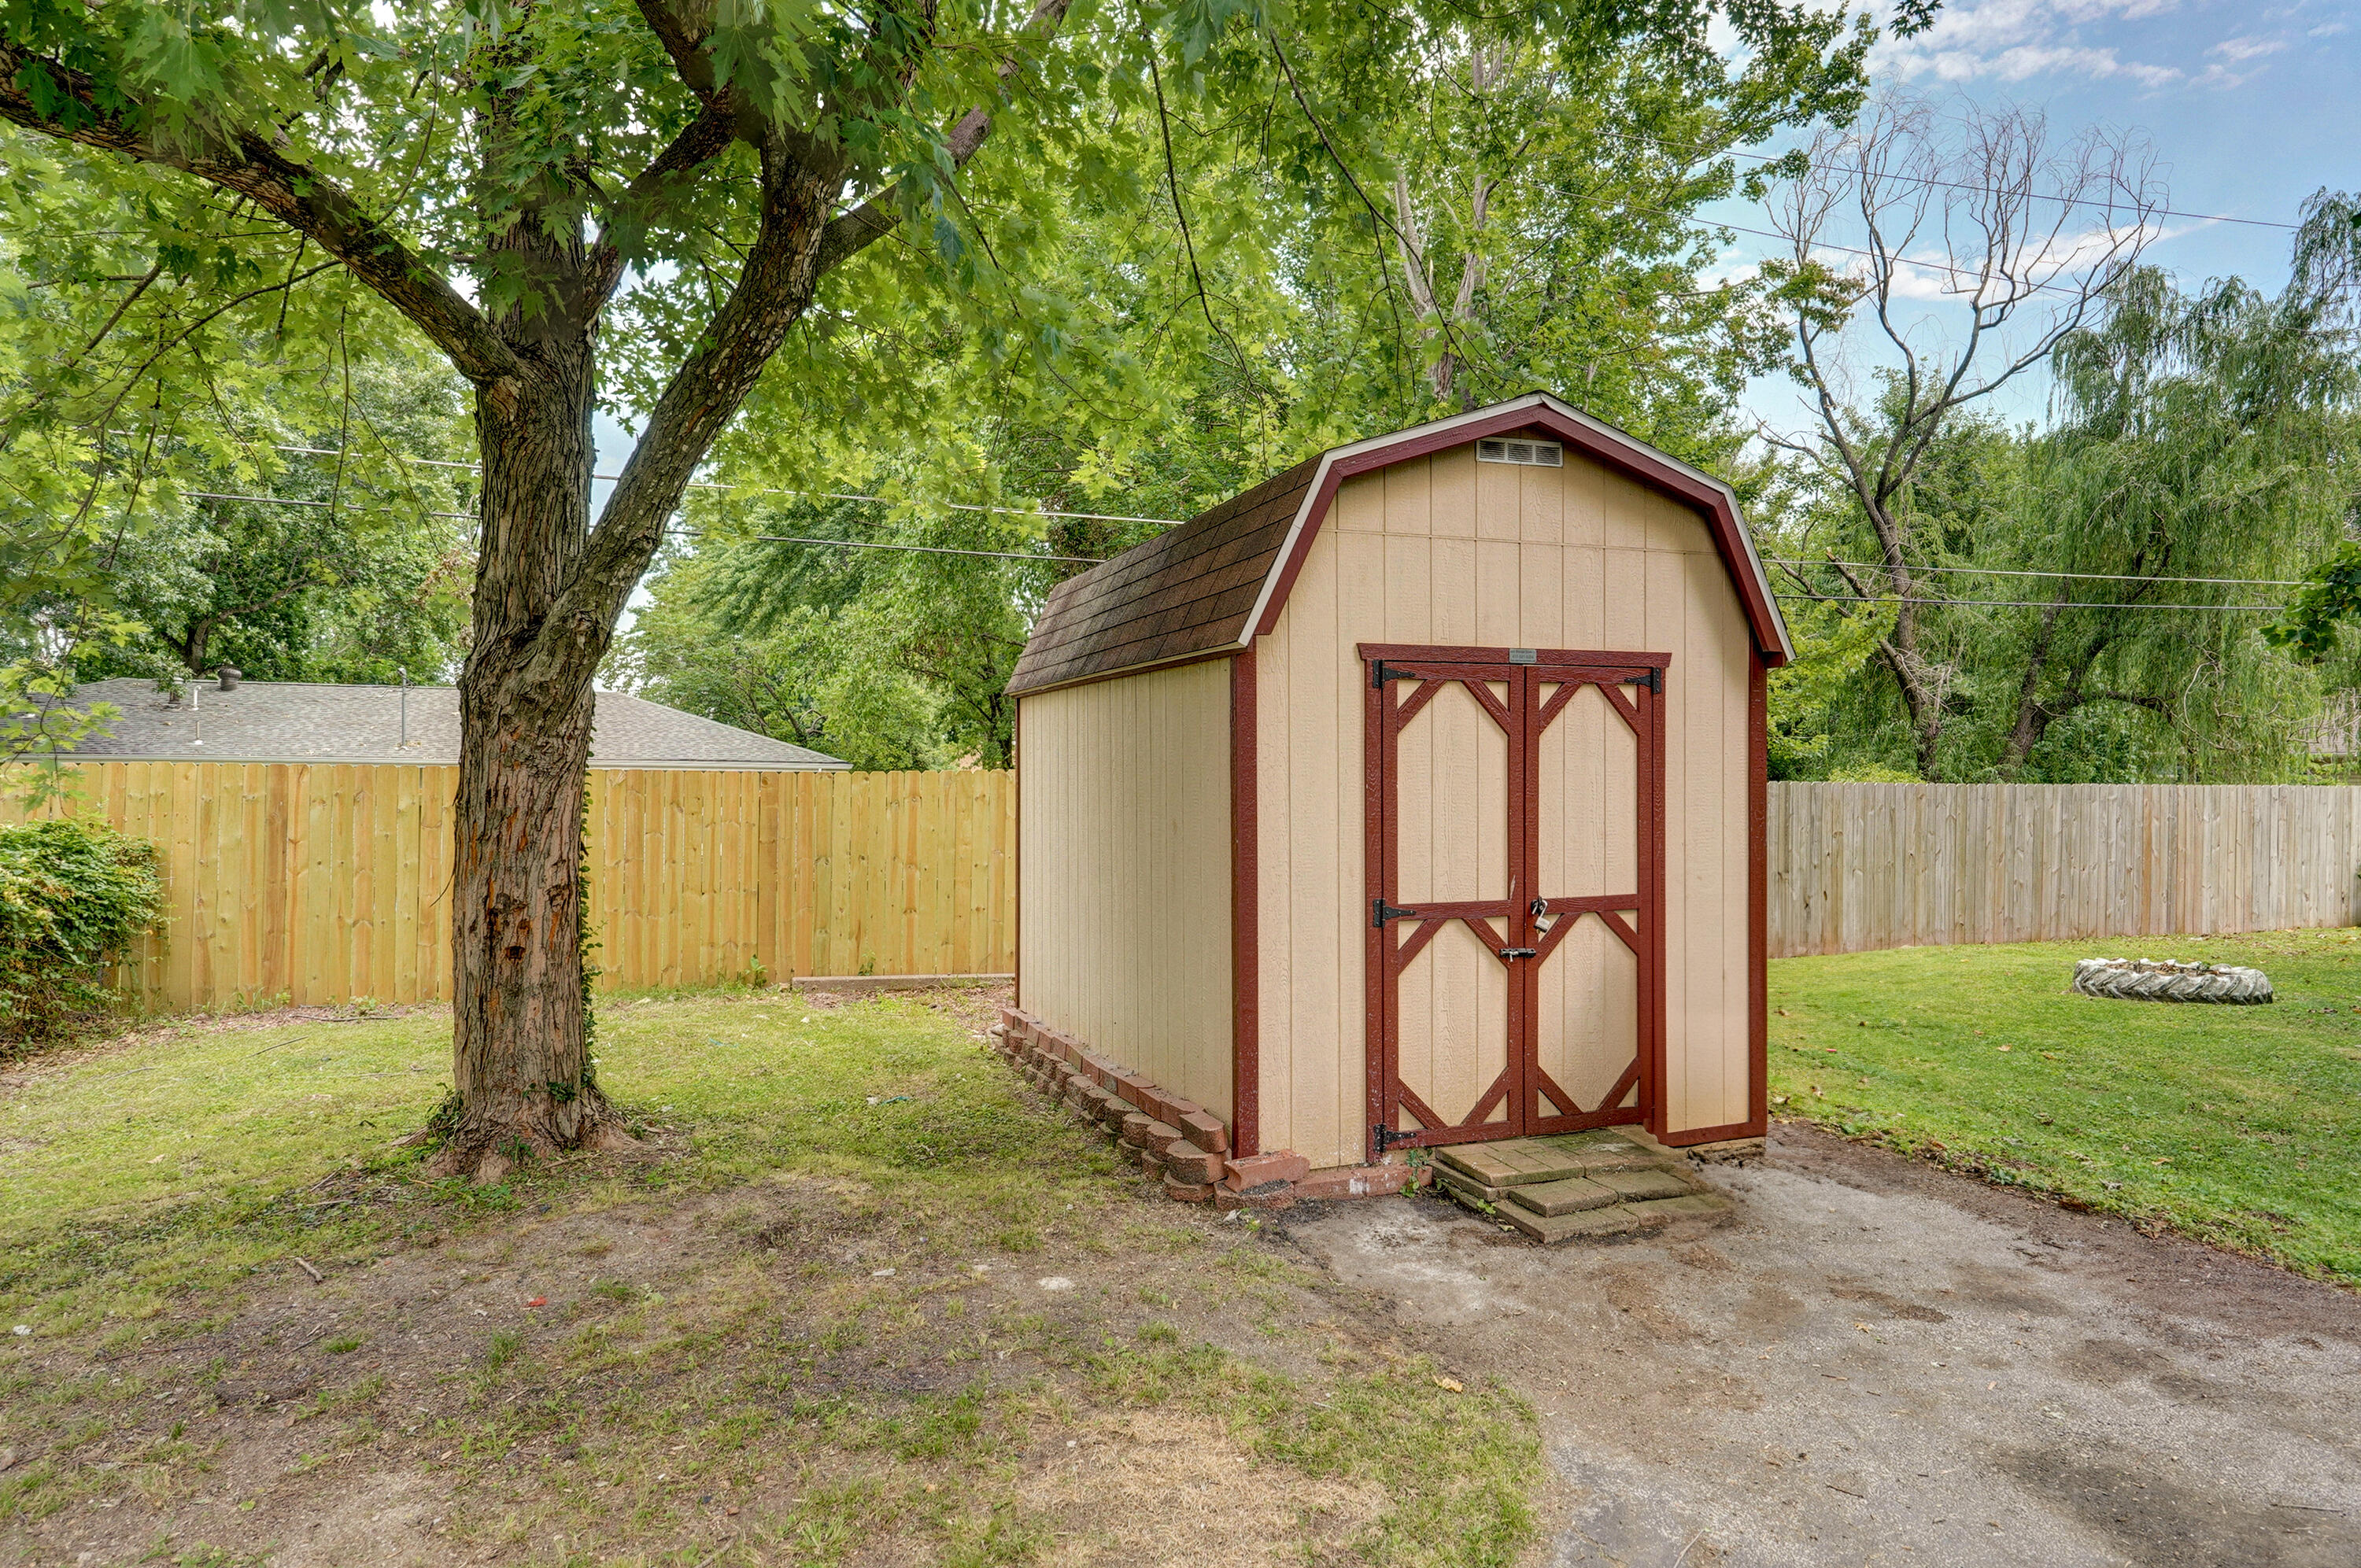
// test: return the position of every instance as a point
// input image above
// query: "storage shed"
(1414, 796)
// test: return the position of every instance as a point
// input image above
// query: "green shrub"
(72, 897)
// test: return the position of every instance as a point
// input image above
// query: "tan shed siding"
(1445, 550)
(1124, 873)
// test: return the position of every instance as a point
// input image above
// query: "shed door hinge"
(1385, 1137)
(1380, 912)
(1379, 674)
(1653, 680)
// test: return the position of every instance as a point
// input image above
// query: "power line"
(815, 495)
(2023, 604)
(1951, 264)
(699, 533)
(1696, 150)
(2081, 576)
(290, 501)
(873, 544)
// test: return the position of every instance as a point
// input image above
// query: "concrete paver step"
(1572, 1196)
(1609, 1182)
(1656, 1181)
(1615, 1220)
(1514, 1162)
(1459, 1184)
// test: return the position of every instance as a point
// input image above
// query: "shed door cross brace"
(1523, 935)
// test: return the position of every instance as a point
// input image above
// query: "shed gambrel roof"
(1219, 580)
(1180, 594)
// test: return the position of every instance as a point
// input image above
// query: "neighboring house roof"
(297, 721)
(1219, 580)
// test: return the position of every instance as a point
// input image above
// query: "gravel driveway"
(1878, 1362)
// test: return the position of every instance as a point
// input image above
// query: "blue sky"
(2249, 109)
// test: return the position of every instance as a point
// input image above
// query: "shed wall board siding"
(1445, 550)
(1125, 874)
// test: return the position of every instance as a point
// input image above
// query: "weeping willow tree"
(2328, 273)
(2195, 435)
(2203, 435)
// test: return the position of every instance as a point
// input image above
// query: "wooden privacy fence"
(1857, 866)
(323, 882)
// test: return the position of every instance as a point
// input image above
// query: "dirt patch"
(1030, 1357)
(1878, 1354)
(1114, 1494)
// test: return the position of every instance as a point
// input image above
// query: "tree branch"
(853, 232)
(683, 29)
(637, 206)
(248, 164)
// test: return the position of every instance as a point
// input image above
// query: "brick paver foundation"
(1175, 1140)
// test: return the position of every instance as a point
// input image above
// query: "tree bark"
(523, 1081)
(2032, 715)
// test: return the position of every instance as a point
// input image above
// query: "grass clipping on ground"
(2240, 1126)
(878, 1306)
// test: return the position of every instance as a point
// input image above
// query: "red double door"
(1515, 853)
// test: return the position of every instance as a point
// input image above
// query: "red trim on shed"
(1758, 897)
(1690, 1136)
(1016, 848)
(1619, 451)
(1246, 904)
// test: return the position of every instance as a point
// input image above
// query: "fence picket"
(328, 882)
(1848, 862)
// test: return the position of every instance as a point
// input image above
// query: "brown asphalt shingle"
(1187, 591)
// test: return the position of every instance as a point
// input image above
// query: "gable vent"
(1532, 453)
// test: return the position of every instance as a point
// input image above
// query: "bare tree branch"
(2002, 201)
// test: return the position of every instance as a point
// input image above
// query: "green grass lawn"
(2240, 1126)
(875, 1299)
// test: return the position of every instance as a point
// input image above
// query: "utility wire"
(1696, 150)
(2082, 576)
(817, 495)
(2023, 604)
(290, 501)
(873, 544)
(699, 533)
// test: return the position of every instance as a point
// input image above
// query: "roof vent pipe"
(228, 675)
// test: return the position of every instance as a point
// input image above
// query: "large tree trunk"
(524, 1084)
(2032, 721)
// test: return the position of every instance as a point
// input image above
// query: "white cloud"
(2012, 40)
(2251, 46)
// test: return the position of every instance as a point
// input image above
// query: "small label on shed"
(1524, 656)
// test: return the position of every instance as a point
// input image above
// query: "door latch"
(1520, 952)
(1380, 912)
